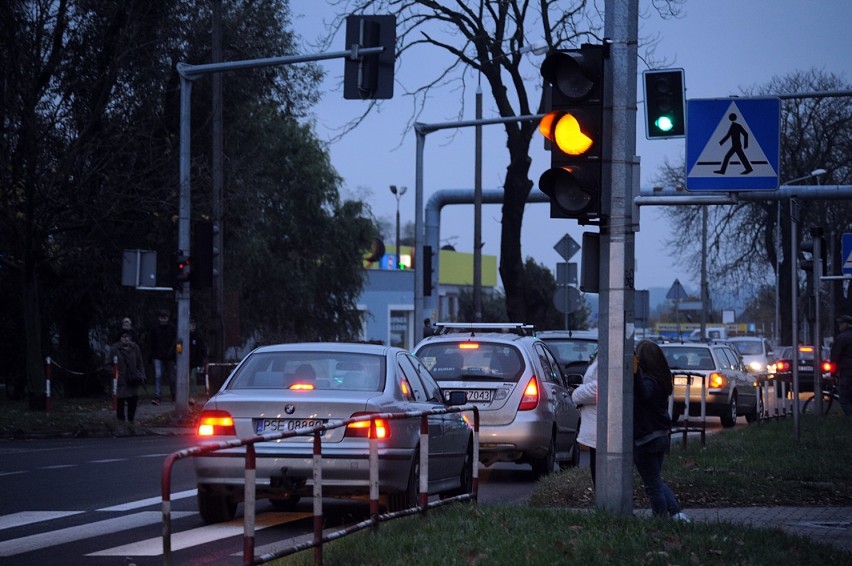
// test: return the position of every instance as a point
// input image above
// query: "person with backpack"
(127, 357)
(652, 385)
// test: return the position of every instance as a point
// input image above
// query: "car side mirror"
(457, 398)
(573, 380)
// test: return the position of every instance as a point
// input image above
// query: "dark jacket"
(650, 409)
(163, 339)
(841, 353)
(129, 358)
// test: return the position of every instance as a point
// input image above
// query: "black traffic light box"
(664, 104)
(575, 129)
(203, 252)
(370, 76)
(182, 271)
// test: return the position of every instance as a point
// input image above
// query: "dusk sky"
(723, 46)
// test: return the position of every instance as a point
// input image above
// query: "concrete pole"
(184, 223)
(477, 214)
(614, 491)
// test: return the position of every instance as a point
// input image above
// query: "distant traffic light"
(182, 271)
(370, 76)
(203, 252)
(664, 104)
(575, 129)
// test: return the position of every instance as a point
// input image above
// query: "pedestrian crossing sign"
(733, 144)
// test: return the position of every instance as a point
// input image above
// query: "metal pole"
(816, 234)
(418, 234)
(184, 212)
(218, 187)
(614, 490)
(778, 274)
(705, 291)
(794, 293)
(477, 214)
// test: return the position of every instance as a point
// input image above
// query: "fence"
(317, 431)
(686, 379)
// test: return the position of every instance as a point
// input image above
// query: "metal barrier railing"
(774, 390)
(686, 378)
(317, 432)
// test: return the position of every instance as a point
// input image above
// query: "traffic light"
(427, 271)
(203, 252)
(664, 110)
(574, 126)
(369, 76)
(182, 271)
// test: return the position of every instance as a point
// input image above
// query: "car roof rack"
(518, 328)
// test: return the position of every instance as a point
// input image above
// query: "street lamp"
(397, 194)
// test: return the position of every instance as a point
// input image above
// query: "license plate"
(681, 380)
(806, 368)
(475, 395)
(286, 425)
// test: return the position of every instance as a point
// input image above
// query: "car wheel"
(574, 461)
(465, 478)
(758, 410)
(215, 507)
(285, 503)
(408, 498)
(543, 466)
(729, 418)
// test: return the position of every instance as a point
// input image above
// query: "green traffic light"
(664, 123)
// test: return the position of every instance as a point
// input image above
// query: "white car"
(756, 352)
(294, 386)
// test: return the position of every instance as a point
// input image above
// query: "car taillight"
(302, 386)
(717, 380)
(530, 399)
(828, 367)
(216, 423)
(468, 346)
(361, 429)
(782, 366)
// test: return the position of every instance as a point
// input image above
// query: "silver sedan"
(295, 386)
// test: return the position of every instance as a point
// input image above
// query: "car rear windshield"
(567, 351)
(689, 358)
(453, 361)
(310, 370)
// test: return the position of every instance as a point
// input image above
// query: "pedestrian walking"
(131, 374)
(841, 357)
(652, 385)
(163, 341)
(586, 399)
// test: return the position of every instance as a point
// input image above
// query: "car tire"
(285, 503)
(729, 417)
(574, 461)
(409, 498)
(465, 478)
(215, 507)
(755, 415)
(545, 465)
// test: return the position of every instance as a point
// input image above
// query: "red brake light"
(530, 399)
(828, 367)
(361, 429)
(717, 380)
(301, 385)
(782, 366)
(216, 423)
(469, 346)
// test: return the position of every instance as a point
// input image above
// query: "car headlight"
(755, 366)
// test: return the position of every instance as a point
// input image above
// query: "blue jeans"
(649, 462)
(164, 367)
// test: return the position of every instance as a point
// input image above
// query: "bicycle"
(830, 400)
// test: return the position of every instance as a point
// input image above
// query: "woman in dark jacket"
(651, 424)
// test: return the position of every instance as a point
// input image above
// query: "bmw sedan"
(290, 387)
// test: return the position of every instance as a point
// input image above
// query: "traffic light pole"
(189, 73)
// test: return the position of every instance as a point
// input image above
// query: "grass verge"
(761, 465)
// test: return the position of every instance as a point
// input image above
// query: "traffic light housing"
(369, 77)
(664, 104)
(203, 252)
(574, 127)
(427, 271)
(182, 271)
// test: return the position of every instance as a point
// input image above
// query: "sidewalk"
(827, 525)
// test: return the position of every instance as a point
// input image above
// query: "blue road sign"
(846, 250)
(733, 144)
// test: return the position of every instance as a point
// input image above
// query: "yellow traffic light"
(566, 132)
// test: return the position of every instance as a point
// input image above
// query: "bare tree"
(816, 133)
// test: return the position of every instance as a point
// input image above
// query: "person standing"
(586, 399)
(841, 357)
(652, 385)
(428, 330)
(163, 341)
(131, 373)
